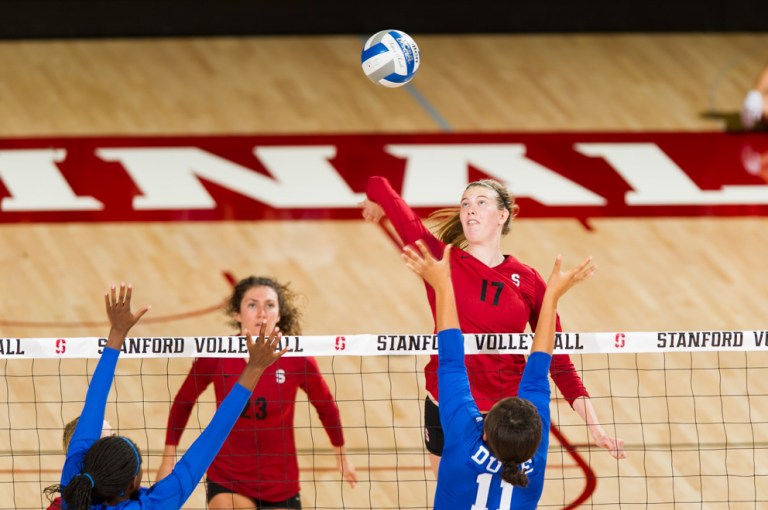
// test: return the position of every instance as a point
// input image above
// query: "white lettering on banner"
(23, 171)
(657, 180)
(449, 165)
(302, 177)
(169, 178)
(372, 345)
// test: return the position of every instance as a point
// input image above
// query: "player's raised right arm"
(382, 200)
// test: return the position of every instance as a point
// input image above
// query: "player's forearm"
(250, 376)
(405, 221)
(169, 451)
(92, 416)
(445, 307)
(583, 407)
(116, 338)
(544, 336)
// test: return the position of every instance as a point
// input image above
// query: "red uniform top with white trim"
(501, 299)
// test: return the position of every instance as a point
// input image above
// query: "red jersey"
(258, 459)
(501, 299)
(55, 504)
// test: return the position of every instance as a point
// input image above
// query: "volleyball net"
(692, 408)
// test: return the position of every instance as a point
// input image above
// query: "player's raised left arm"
(558, 284)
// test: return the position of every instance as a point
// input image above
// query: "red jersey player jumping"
(257, 466)
(495, 293)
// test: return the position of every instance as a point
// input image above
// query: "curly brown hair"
(287, 301)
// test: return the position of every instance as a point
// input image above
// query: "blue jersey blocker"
(172, 491)
(470, 476)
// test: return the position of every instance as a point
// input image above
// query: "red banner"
(578, 175)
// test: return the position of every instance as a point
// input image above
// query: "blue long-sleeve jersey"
(172, 491)
(470, 476)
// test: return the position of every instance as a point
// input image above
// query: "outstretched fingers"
(420, 259)
(558, 264)
(138, 315)
(425, 253)
(125, 293)
(412, 259)
(118, 306)
(585, 269)
(560, 281)
(264, 350)
(114, 297)
(372, 211)
(274, 345)
(272, 342)
(108, 299)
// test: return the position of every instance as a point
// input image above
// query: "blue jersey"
(470, 476)
(172, 491)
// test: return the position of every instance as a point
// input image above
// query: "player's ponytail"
(447, 227)
(511, 473)
(513, 432)
(79, 492)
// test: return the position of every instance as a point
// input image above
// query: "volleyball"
(390, 58)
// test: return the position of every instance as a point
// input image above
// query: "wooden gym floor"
(655, 274)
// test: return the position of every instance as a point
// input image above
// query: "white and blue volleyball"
(390, 58)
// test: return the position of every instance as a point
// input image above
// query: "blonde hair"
(69, 429)
(448, 226)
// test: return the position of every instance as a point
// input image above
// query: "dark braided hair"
(290, 314)
(109, 468)
(513, 433)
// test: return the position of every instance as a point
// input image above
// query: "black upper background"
(30, 19)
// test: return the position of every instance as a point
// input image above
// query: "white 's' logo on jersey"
(280, 376)
(515, 279)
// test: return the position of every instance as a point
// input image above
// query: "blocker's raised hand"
(560, 281)
(121, 319)
(420, 261)
(262, 352)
